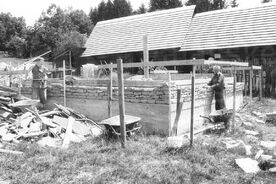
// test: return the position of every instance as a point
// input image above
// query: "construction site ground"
(148, 159)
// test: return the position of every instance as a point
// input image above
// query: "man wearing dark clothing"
(39, 82)
(218, 86)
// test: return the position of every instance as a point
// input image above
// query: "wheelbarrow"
(220, 116)
(112, 125)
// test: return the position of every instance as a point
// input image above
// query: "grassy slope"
(146, 160)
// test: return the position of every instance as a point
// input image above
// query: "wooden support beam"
(170, 108)
(64, 85)
(234, 99)
(244, 80)
(146, 56)
(261, 83)
(179, 106)
(192, 107)
(251, 82)
(68, 133)
(121, 102)
(176, 63)
(110, 93)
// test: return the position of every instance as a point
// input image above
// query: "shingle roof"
(231, 28)
(165, 29)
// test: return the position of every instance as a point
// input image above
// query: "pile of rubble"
(21, 121)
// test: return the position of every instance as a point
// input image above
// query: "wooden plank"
(110, 93)
(121, 102)
(179, 106)
(251, 82)
(115, 120)
(261, 83)
(176, 63)
(243, 68)
(192, 107)
(170, 108)
(234, 99)
(146, 55)
(10, 152)
(15, 72)
(67, 137)
(64, 85)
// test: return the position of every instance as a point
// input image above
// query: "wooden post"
(251, 82)
(170, 108)
(244, 80)
(261, 83)
(70, 62)
(121, 102)
(234, 99)
(64, 85)
(192, 107)
(19, 87)
(26, 73)
(146, 55)
(110, 93)
(178, 113)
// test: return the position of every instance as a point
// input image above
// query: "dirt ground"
(148, 159)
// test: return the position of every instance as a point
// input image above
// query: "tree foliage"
(234, 3)
(266, 1)
(110, 10)
(164, 4)
(207, 5)
(142, 9)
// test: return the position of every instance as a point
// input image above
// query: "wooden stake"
(66, 140)
(170, 108)
(179, 106)
(110, 93)
(251, 82)
(64, 85)
(261, 83)
(244, 80)
(234, 98)
(192, 107)
(146, 56)
(70, 62)
(121, 102)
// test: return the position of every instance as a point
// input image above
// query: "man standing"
(39, 84)
(218, 86)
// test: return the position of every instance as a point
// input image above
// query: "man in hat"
(217, 85)
(39, 84)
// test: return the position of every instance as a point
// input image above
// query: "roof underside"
(166, 29)
(232, 28)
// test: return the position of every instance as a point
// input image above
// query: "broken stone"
(248, 149)
(248, 124)
(270, 145)
(260, 121)
(48, 122)
(3, 131)
(251, 139)
(272, 169)
(8, 137)
(266, 157)
(250, 132)
(259, 153)
(248, 165)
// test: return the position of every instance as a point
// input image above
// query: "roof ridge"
(132, 17)
(235, 9)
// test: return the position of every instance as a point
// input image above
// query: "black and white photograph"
(137, 91)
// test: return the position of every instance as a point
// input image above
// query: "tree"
(164, 4)
(16, 46)
(207, 5)
(142, 9)
(234, 3)
(81, 21)
(110, 10)
(266, 1)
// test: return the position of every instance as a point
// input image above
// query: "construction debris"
(21, 121)
(248, 165)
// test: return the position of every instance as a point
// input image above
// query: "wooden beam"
(68, 133)
(243, 68)
(170, 108)
(146, 55)
(10, 152)
(121, 102)
(176, 63)
(244, 80)
(110, 94)
(192, 107)
(179, 106)
(251, 82)
(64, 85)
(16, 72)
(234, 99)
(261, 83)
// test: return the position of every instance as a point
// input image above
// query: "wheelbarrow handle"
(206, 117)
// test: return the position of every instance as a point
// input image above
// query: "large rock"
(248, 165)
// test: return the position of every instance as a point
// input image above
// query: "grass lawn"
(147, 159)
